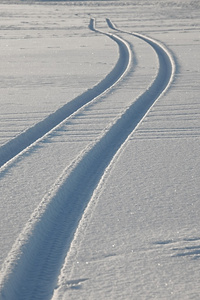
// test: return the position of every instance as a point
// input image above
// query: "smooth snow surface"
(99, 150)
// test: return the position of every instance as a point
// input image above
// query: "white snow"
(99, 153)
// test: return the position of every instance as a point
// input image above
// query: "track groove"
(47, 238)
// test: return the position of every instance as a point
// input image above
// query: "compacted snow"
(99, 150)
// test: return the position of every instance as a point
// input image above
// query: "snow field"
(138, 237)
(15, 252)
(151, 219)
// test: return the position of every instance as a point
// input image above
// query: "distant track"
(167, 66)
(24, 140)
(32, 269)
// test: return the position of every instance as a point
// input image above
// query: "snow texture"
(99, 163)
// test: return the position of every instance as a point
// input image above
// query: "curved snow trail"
(165, 77)
(23, 141)
(32, 268)
(163, 54)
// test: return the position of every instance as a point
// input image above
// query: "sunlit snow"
(99, 149)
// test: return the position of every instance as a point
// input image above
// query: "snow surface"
(99, 150)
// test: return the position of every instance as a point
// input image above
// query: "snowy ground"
(99, 150)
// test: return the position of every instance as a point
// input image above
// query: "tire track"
(32, 268)
(135, 114)
(164, 56)
(22, 277)
(23, 141)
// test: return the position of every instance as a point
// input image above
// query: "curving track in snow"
(18, 279)
(23, 141)
(32, 268)
(167, 66)
(128, 122)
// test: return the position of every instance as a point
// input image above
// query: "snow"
(99, 150)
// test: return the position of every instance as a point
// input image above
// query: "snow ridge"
(32, 268)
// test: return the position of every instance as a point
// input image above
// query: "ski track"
(32, 268)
